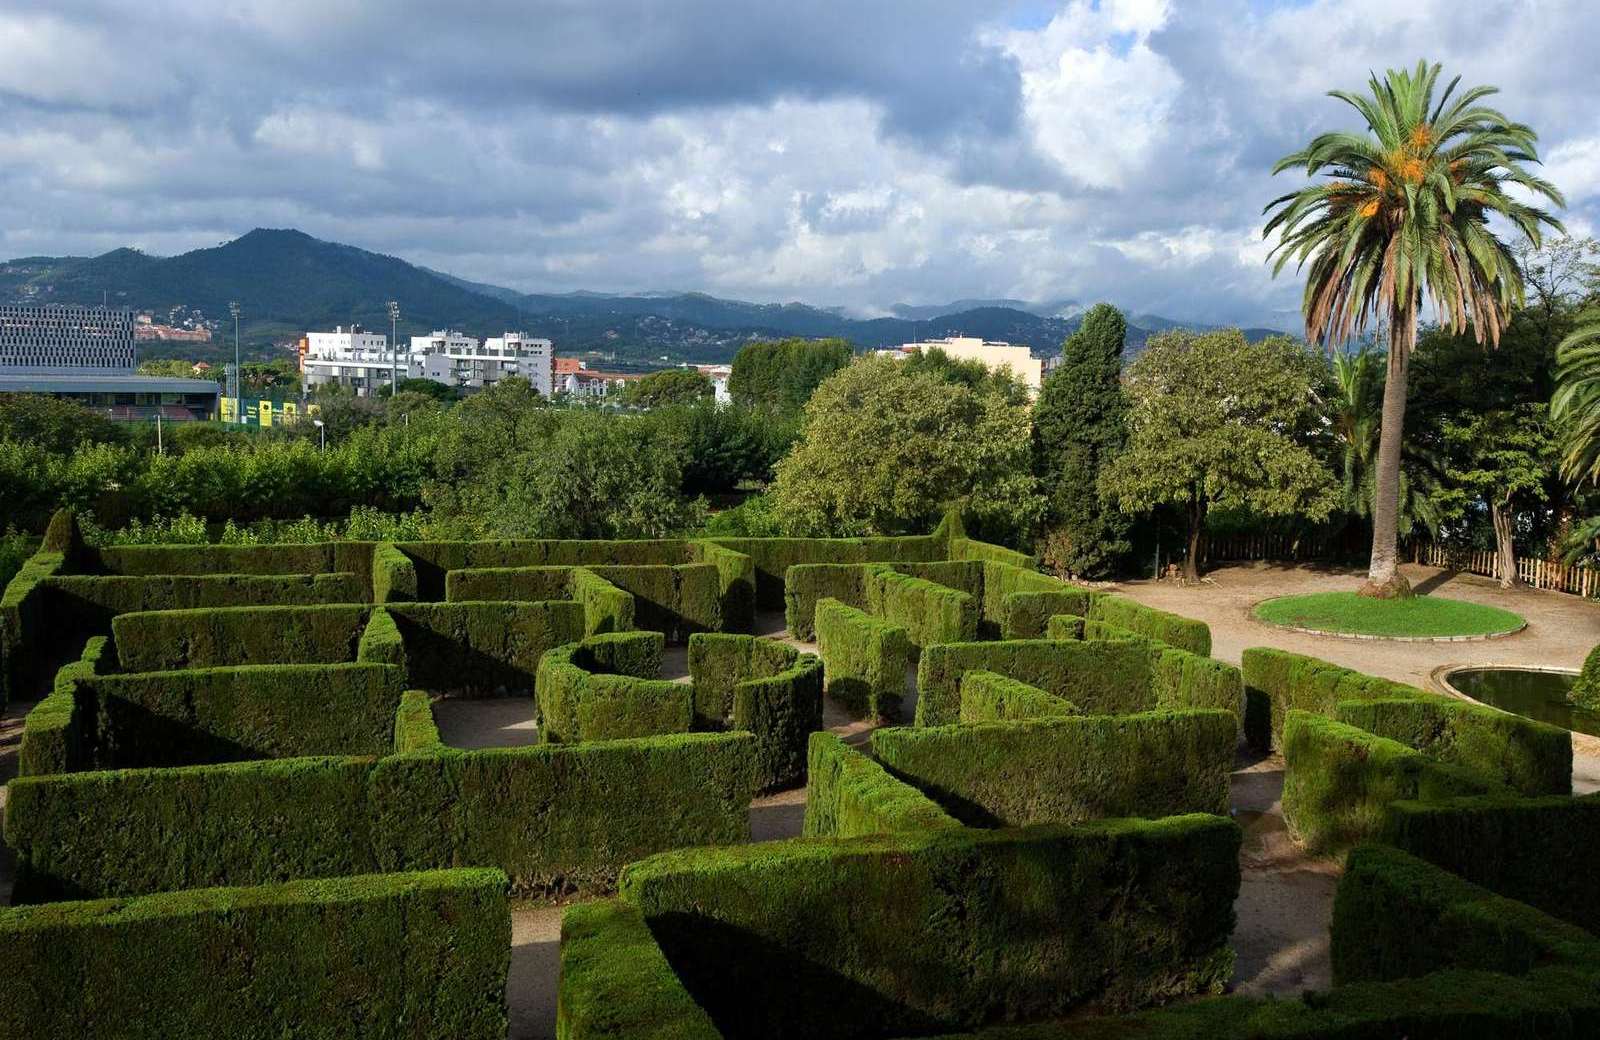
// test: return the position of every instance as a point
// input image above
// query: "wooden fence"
(1539, 574)
(1267, 547)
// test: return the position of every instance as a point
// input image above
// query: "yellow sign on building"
(266, 414)
(290, 413)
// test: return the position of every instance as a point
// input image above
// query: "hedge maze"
(233, 760)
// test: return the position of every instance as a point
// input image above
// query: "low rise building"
(994, 356)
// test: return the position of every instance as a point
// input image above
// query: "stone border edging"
(1376, 638)
(1439, 679)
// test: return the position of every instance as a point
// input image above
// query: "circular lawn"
(1421, 617)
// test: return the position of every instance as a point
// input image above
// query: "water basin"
(1533, 693)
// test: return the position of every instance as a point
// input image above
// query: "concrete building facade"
(363, 361)
(992, 355)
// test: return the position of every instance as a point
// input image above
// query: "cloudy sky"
(851, 152)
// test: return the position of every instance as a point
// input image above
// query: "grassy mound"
(1421, 616)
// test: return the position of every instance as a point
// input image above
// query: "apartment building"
(363, 361)
(992, 355)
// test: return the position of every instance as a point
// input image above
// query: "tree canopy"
(781, 375)
(669, 386)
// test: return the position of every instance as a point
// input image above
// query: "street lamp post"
(322, 434)
(394, 348)
(238, 372)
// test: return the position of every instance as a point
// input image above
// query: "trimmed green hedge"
(772, 557)
(865, 659)
(381, 641)
(1172, 629)
(161, 560)
(849, 795)
(760, 685)
(414, 727)
(129, 832)
(929, 612)
(807, 584)
(616, 983)
(992, 697)
(1068, 769)
(508, 584)
(1102, 678)
(394, 576)
(482, 648)
(1339, 780)
(1534, 850)
(1286, 682)
(719, 662)
(1019, 601)
(563, 818)
(168, 640)
(57, 733)
(24, 665)
(675, 599)
(903, 934)
(1185, 680)
(1396, 916)
(964, 548)
(434, 560)
(585, 694)
(306, 958)
(736, 582)
(606, 608)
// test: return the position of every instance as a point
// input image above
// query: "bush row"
(1103, 678)
(554, 817)
(677, 600)
(306, 958)
(865, 659)
(606, 608)
(1019, 601)
(414, 727)
(1172, 629)
(23, 667)
(434, 560)
(849, 795)
(482, 648)
(906, 934)
(762, 686)
(53, 734)
(736, 582)
(604, 688)
(165, 640)
(992, 697)
(394, 576)
(929, 612)
(772, 557)
(1068, 769)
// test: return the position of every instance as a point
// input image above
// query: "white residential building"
(719, 376)
(358, 359)
(994, 356)
(362, 360)
(511, 354)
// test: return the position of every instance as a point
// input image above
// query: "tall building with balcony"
(355, 358)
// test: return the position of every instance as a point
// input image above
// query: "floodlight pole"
(238, 370)
(394, 348)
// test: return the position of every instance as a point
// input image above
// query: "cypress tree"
(1079, 424)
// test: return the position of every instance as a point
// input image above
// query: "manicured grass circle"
(1421, 617)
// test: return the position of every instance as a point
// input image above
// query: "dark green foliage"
(1287, 682)
(780, 375)
(782, 710)
(306, 959)
(563, 818)
(394, 576)
(1185, 680)
(718, 663)
(1338, 780)
(165, 640)
(508, 584)
(911, 933)
(675, 599)
(866, 659)
(482, 648)
(616, 984)
(1068, 769)
(929, 612)
(1586, 691)
(964, 548)
(381, 641)
(414, 728)
(1172, 629)
(1532, 758)
(773, 557)
(1100, 677)
(668, 386)
(592, 691)
(1079, 424)
(697, 601)
(57, 734)
(606, 608)
(204, 715)
(736, 582)
(991, 697)
(434, 560)
(1528, 849)
(64, 536)
(848, 795)
(129, 832)
(1396, 916)
(23, 663)
(1066, 626)
(805, 584)
(152, 560)
(1020, 601)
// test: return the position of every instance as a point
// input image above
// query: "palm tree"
(1356, 415)
(1576, 404)
(1404, 212)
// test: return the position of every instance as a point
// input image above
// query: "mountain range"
(286, 282)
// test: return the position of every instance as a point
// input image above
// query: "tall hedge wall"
(414, 726)
(606, 608)
(1526, 849)
(992, 697)
(719, 662)
(305, 958)
(915, 933)
(1396, 916)
(58, 734)
(1172, 629)
(24, 664)
(433, 560)
(929, 612)
(1102, 678)
(482, 648)
(1068, 769)
(849, 794)
(807, 584)
(153, 560)
(167, 640)
(130, 832)
(772, 557)
(560, 818)
(616, 984)
(1019, 601)
(677, 600)
(579, 701)
(1338, 781)
(782, 710)
(508, 584)
(394, 576)
(964, 548)
(205, 715)
(865, 659)
(736, 583)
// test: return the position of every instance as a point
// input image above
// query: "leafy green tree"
(55, 424)
(1355, 413)
(1501, 458)
(1079, 425)
(724, 446)
(1216, 420)
(1404, 213)
(170, 368)
(429, 388)
(669, 386)
(781, 375)
(970, 373)
(884, 450)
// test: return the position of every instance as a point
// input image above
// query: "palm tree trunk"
(1505, 544)
(1384, 580)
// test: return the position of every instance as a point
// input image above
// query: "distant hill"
(286, 282)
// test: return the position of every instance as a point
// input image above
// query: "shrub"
(782, 710)
(508, 584)
(637, 654)
(1338, 781)
(772, 557)
(964, 548)
(806, 584)
(849, 795)
(616, 983)
(414, 727)
(482, 648)
(1068, 769)
(1521, 848)
(1020, 601)
(583, 696)
(1396, 916)
(434, 560)
(129, 832)
(394, 576)
(718, 663)
(1185, 680)
(1283, 682)
(929, 612)
(992, 697)
(865, 659)
(1171, 629)
(57, 733)
(1102, 678)
(916, 933)
(563, 818)
(381, 641)
(23, 662)
(305, 958)
(167, 640)
(1586, 690)
(606, 608)
(736, 584)
(260, 560)
(1065, 626)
